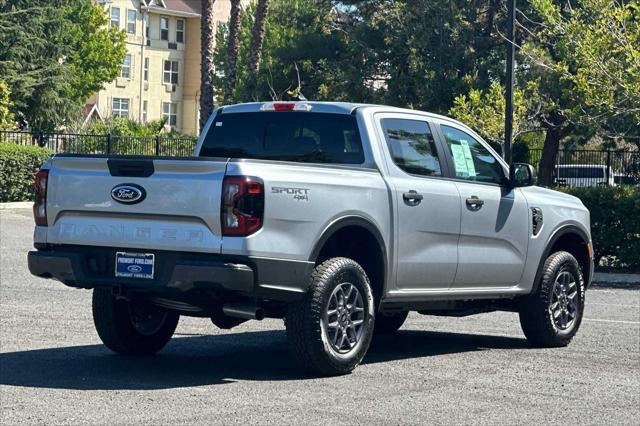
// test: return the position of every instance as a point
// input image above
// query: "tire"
(122, 329)
(542, 314)
(336, 343)
(389, 323)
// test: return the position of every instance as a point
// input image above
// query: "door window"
(412, 146)
(472, 160)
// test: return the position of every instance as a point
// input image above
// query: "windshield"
(286, 136)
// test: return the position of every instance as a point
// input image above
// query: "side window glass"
(412, 146)
(471, 160)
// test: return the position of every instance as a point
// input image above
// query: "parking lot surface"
(477, 369)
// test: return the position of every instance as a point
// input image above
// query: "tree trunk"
(255, 50)
(554, 123)
(232, 52)
(207, 47)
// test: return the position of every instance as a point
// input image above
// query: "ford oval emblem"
(128, 193)
(134, 268)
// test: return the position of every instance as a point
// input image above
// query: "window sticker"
(459, 160)
(471, 168)
(218, 123)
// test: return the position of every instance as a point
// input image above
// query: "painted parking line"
(616, 321)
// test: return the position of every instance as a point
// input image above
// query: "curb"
(623, 280)
(16, 205)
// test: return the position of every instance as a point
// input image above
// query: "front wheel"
(551, 316)
(330, 330)
(131, 328)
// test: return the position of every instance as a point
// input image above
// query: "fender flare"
(361, 222)
(555, 236)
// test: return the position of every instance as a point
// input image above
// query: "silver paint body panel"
(438, 249)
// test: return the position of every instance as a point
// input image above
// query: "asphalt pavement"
(478, 369)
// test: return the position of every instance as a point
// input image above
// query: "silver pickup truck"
(340, 218)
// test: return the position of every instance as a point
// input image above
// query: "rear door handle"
(475, 203)
(412, 198)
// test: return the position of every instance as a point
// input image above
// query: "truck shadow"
(199, 360)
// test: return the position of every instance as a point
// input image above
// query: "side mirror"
(522, 174)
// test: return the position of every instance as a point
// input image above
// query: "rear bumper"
(176, 272)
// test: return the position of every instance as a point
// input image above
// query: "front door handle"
(412, 198)
(474, 203)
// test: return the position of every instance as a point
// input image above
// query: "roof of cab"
(328, 107)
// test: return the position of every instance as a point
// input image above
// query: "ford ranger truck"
(339, 218)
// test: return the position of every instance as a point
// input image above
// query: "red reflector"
(284, 106)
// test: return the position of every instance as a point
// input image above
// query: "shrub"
(18, 166)
(615, 223)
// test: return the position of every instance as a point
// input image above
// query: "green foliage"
(18, 166)
(587, 56)
(299, 33)
(53, 55)
(6, 116)
(615, 223)
(128, 137)
(484, 111)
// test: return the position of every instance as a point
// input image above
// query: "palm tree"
(232, 52)
(207, 47)
(257, 38)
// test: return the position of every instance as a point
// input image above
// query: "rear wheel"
(330, 330)
(389, 323)
(552, 315)
(131, 328)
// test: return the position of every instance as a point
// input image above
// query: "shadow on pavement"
(197, 360)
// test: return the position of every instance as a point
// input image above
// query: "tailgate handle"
(130, 168)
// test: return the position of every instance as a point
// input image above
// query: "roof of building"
(186, 7)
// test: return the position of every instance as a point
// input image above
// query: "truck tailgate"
(180, 209)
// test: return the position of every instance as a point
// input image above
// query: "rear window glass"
(285, 136)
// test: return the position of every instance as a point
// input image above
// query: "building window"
(146, 69)
(145, 106)
(125, 71)
(180, 30)
(131, 21)
(120, 107)
(170, 112)
(164, 28)
(146, 26)
(170, 72)
(115, 17)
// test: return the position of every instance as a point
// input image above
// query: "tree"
(302, 39)
(53, 55)
(484, 111)
(6, 116)
(257, 40)
(232, 50)
(587, 57)
(207, 69)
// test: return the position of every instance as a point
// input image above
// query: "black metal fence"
(573, 167)
(589, 167)
(104, 144)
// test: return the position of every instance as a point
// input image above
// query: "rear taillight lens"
(242, 208)
(40, 205)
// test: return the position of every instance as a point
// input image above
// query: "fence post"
(109, 143)
(157, 145)
(608, 166)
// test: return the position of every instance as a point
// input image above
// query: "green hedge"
(615, 223)
(18, 166)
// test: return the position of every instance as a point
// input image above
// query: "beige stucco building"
(160, 75)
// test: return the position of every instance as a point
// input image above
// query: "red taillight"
(40, 205)
(242, 207)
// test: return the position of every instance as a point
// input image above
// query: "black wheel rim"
(147, 319)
